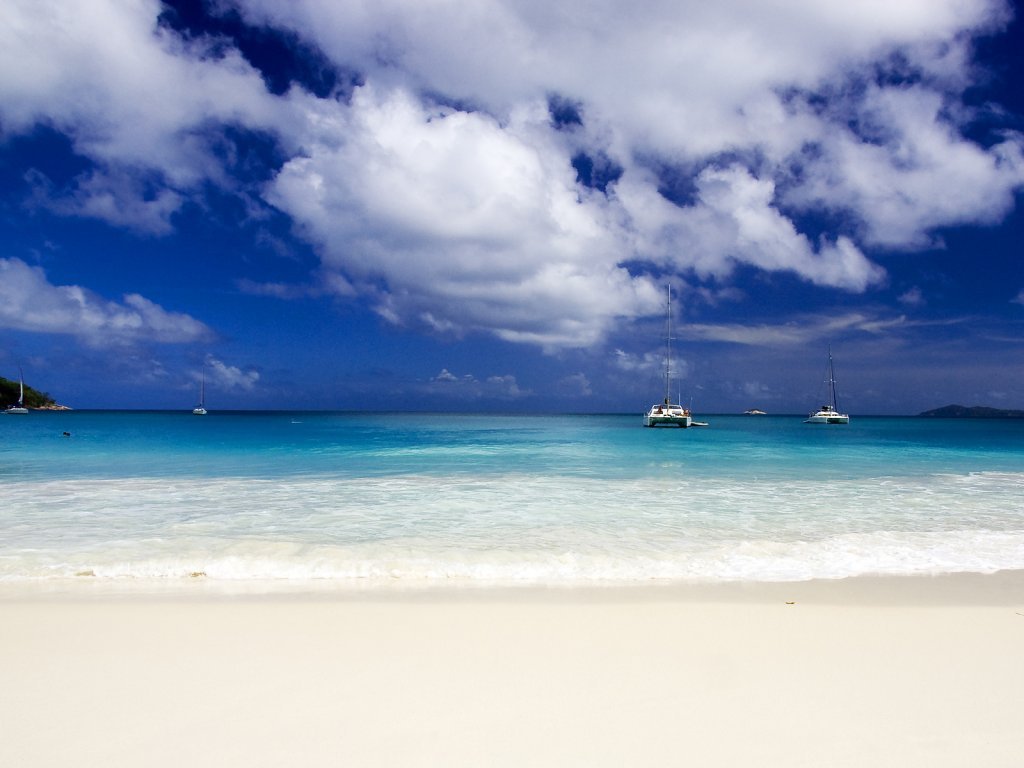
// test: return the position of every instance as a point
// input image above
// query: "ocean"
(376, 500)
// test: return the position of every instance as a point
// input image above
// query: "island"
(34, 399)
(973, 412)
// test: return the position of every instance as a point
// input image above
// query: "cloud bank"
(445, 189)
(29, 302)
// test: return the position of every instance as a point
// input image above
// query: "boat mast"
(832, 380)
(21, 387)
(668, 347)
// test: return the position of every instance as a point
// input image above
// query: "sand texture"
(912, 672)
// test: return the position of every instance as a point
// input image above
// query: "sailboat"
(200, 410)
(829, 413)
(667, 413)
(19, 407)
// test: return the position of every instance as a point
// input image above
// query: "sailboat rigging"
(667, 413)
(829, 413)
(200, 410)
(18, 407)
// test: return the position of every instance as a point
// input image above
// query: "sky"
(480, 205)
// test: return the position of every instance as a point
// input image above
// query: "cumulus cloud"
(676, 77)
(385, 190)
(135, 99)
(441, 189)
(29, 302)
(469, 387)
(226, 377)
(909, 170)
(470, 224)
(733, 221)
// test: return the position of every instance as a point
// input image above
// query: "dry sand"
(864, 672)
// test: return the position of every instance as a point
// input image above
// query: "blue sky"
(478, 205)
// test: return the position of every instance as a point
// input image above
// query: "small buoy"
(67, 434)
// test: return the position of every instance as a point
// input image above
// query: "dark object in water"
(973, 412)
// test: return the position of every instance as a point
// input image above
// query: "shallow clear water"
(452, 498)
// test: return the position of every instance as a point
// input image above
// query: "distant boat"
(200, 410)
(667, 413)
(754, 412)
(829, 413)
(18, 407)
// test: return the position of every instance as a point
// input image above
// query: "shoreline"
(880, 671)
(1004, 587)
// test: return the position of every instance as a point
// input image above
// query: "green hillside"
(33, 398)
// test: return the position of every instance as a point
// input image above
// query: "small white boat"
(200, 410)
(18, 407)
(667, 413)
(829, 413)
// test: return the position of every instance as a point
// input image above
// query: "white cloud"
(469, 387)
(913, 173)
(796, 331)
(652, 363)
(473, 225)
(445, 375)
(733, 221)
(504, 387)
(675, 77)
(226, 377)
(632, 363)
(684, 82)
(29, 302)
(470, 219)
(117, 197)
(133, 98)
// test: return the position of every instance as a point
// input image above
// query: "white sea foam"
(510, 528)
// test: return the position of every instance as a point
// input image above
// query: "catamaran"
(829, 413)
(18, 407)
(667, 413)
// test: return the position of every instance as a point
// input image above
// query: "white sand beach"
(863, 672)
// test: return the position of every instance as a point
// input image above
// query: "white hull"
(832, 418)
(199, 411)
(668, 416)
(827, 415)
(666, 413)
(16, 409)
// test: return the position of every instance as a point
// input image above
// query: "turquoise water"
(409, 499)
